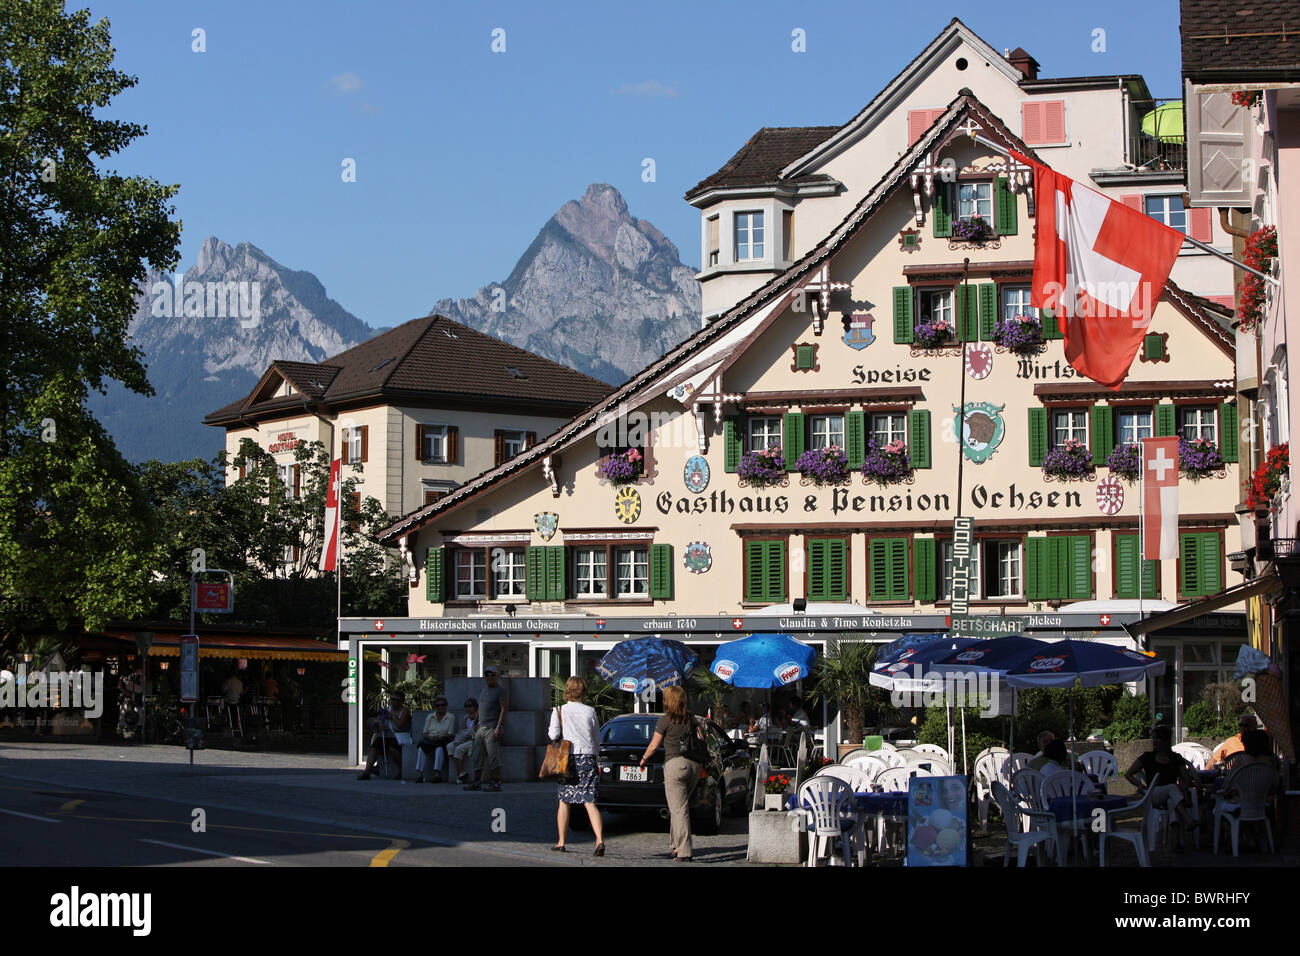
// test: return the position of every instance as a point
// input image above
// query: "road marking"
(383, 857)
(194, 849)
(30, 816)
(70, 806)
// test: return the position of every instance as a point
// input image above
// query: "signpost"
(206, 597)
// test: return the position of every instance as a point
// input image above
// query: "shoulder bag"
(555, 766)
(693, 746)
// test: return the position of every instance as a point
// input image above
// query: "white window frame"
(476, 558)
(636, 561)
(352, 445)
(1206, 424)
(888, 433)
(1131, 433)
(945, 571)
(435, 436)
(1023, 307)
(974, 206)
(771, 436)
(824, 429)
(586, 576)
(751, 224)
(712, 253)
(1163, 213)
(286, 478)
(509, 573)
(939, 303)
(1009, 555)
(1075, 426)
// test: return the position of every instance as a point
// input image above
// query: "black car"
(626, 787)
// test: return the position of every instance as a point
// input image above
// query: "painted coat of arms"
(696, 474)
(697, 558)
(546, 522)
(983, 432)
(857, 330)
(627, 505)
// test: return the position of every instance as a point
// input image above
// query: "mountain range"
(597, 290)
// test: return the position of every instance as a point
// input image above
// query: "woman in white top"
(576, 722)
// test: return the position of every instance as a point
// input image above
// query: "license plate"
(634, 774)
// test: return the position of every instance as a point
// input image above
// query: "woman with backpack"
(683, 740)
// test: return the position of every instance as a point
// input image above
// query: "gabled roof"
(1228, 42)
(760, 161)
(429, 358)
(644, 384)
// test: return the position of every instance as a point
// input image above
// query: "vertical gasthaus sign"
(963, 540)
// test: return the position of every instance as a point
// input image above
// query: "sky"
(462, 152)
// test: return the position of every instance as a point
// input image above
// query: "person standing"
(493, 704)
(439, 731)
(681, 774)
(576, 722)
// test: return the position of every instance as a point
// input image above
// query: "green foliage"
(1216, 713)
(1130, 719)
(709, 688)
(1042, 709)
(981, 732)
(843, 676)
(421, 692)
(600, 694)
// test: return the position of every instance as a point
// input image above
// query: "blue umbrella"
(763, 660)
(1060, 663)
(644, 662)
(908, 644)
(999, 655)
(903, 667)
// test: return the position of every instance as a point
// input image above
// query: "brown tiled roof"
(430, 357)
(1225, 42)
(760, 161)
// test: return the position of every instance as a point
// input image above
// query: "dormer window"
(712, 247)
(749, 236)
(975, 199)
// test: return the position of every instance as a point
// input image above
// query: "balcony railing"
(1149, 154)
(1277, 549)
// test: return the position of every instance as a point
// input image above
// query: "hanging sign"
(981, 430)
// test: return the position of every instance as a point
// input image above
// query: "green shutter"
(1102, 420)
(889, 571)
(555, 562)
(793, 448)
(855, 437)
(815, 553)
(1037, 436)
(535, 565)
(878, 555)
(967, 312)
(804, 357)
(837, 570)
(774, 569)
(661, 572)
(754, 570)
(1228, 431)
(1079, 585)
(988, 310)
(919, 437)
(731, 444)
(1057, 567)
(1153, 347)
(1051, 327)
(1211, 579)
(1035, 565)
(1166, 421)
(924, 568)
(904, 324)
(1127, 549)
(941, 212)
(1189, 572)
(1005, 206)
(435, 575)
(900, 583)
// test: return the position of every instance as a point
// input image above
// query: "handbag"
(693, 746)
(555, 766)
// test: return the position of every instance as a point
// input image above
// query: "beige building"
(691, 536)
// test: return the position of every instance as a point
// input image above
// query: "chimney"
(1023, 62)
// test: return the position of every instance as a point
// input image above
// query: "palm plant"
(600, 695)
(710, 688)
(843, 675)
(420, 692)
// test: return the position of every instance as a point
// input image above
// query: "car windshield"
(628, 733)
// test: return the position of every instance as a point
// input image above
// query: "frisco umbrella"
(764, 661)
(646, 662)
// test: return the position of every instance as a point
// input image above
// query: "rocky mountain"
(208, 338)
(598, 290)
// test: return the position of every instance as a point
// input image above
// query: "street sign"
(144, 641)
(189, 668)
(214, 597)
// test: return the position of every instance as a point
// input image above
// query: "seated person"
(798, 715)
(1258, 750)
(1044, 738)
(439, 731)
(463, 743)
(758, 725)
(742, 719)
(1056, 759)
(389, 723)
(1235, 744)
(1167, 775)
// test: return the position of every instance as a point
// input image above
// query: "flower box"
(824, 466)
(1068, 460)
(886, 464)
(971, 229)
(1266, 482)
(1023, 333)
(933, 335)
(1198, 457)
(624, 468)
(762, 468)
(1125, 461)
(774, 801)
(1260, 250)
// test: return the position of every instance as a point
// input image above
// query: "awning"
(275, 647)
(1186, 612)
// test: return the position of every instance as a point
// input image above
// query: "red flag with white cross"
(1160, 497)
(1101, 267)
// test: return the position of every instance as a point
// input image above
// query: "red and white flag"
(1160, 497)
(329, 554)
(1101, 267)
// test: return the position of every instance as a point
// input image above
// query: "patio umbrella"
(1165, 122)
(764, 661)
(642, 663)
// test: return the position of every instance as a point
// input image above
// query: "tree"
(76, 243)
(843, 675)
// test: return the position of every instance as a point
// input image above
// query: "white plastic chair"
(1016, 762)
(1066, 784)
(1253, 783)
(895, 758)
(855, 754)
(827, 804)
(1025, 787)
(1102, 765)
(988, 766)
(1140, 809)
(1022, 840)
(1198, 755)
(933, 750)
(870, 764)
(885, 745)
(895, 779)
(855, 778)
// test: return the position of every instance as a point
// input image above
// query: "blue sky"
(462, 153)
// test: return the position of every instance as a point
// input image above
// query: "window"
(765, 572)
(289, 478)
(590, 572)
(945, 571)
(1127, 551)
(1069, 424)
(887, 427)
(1002, 569)
(888, 570)
(826, 430)
(1200, 564)
(1199, 422)
(975, 199)
(1133, 424)
(288, 554)
(471, 573)
(935, 304)
(787, 234)
(508, 572)
(508, 444)
(433, 443)
(1058, 567)
(711, 251)
(430, 496)
(749, 235)
(1166, 209)
(1015, 301)
(764, 432)
(633, 572)
(354, 444)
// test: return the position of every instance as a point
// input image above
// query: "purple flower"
(762, 468)
(824, 466)
(1068, 460)
(1198, 457)
(622, 469)
(1019, 334)
(970, 229)
(886, 465)
(1125, 461)
(933, 334)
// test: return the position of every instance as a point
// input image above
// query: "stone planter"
(774, 801)
(777, 837)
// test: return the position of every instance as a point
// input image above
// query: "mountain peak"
(603, 196)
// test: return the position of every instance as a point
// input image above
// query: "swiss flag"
(330, 552)
(1160, 497)
(1101, 267)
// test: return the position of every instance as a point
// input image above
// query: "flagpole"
(1227, 258)
(961, 371)
(1142, 534)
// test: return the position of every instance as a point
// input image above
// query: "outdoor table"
(1063, 806)
(889, 803)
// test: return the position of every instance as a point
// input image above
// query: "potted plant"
(1247, 98)
(1261, 249)
(886, 464)
(1125, 461)
(1070, 459)
(933, 334)
(624, 468)
(971, 229)
(762, 468)
(1198, 457)
(1266, 481)
(1020, 334)
(774, 791)
(824, 466)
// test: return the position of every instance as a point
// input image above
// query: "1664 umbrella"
(647, 663)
